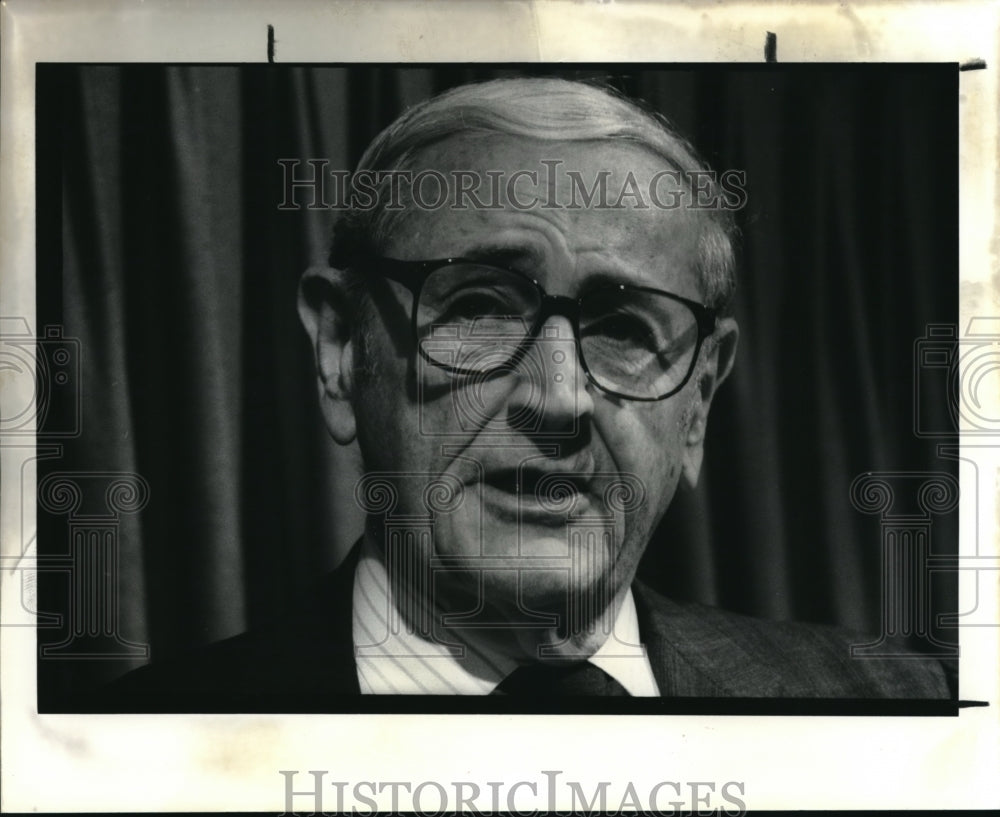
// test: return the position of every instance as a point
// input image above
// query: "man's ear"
(325, 312)
(718, 364)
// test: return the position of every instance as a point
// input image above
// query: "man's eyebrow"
(504, 256)
(529, 259)
(606, 277)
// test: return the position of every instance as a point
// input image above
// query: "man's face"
(502, 436)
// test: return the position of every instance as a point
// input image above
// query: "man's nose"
(552, 395)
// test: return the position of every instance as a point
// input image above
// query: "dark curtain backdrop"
(162, 249)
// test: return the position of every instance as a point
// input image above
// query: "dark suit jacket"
(306, 662)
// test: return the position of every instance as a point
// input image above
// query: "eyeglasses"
(471, 317)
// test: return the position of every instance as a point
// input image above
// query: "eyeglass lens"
(475, 318)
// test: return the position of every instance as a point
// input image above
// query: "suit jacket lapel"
(694, 653)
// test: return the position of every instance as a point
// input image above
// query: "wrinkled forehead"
(488, 179)
(601, 206)
(592, 174)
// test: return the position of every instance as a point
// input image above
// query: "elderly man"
(523, 324)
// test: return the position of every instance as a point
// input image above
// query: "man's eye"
(478, 305)
(624, 329)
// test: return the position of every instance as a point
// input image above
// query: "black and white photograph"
(533, 382)
(368, 406)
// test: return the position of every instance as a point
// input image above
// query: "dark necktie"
(559, 678)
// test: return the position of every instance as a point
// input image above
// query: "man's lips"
(540, 489)
(527, 481)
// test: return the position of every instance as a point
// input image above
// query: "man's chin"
(537, 613)
(536, 568)
(509, 543)
(519, 597)
(505, 557)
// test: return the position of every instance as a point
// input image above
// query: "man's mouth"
(536, 493)
(535, 482)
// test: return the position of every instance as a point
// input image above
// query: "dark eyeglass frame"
(413, 275)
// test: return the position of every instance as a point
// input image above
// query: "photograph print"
(497, 388)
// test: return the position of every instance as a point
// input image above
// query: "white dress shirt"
(404, 663)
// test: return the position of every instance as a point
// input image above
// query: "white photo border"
(163, 763)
